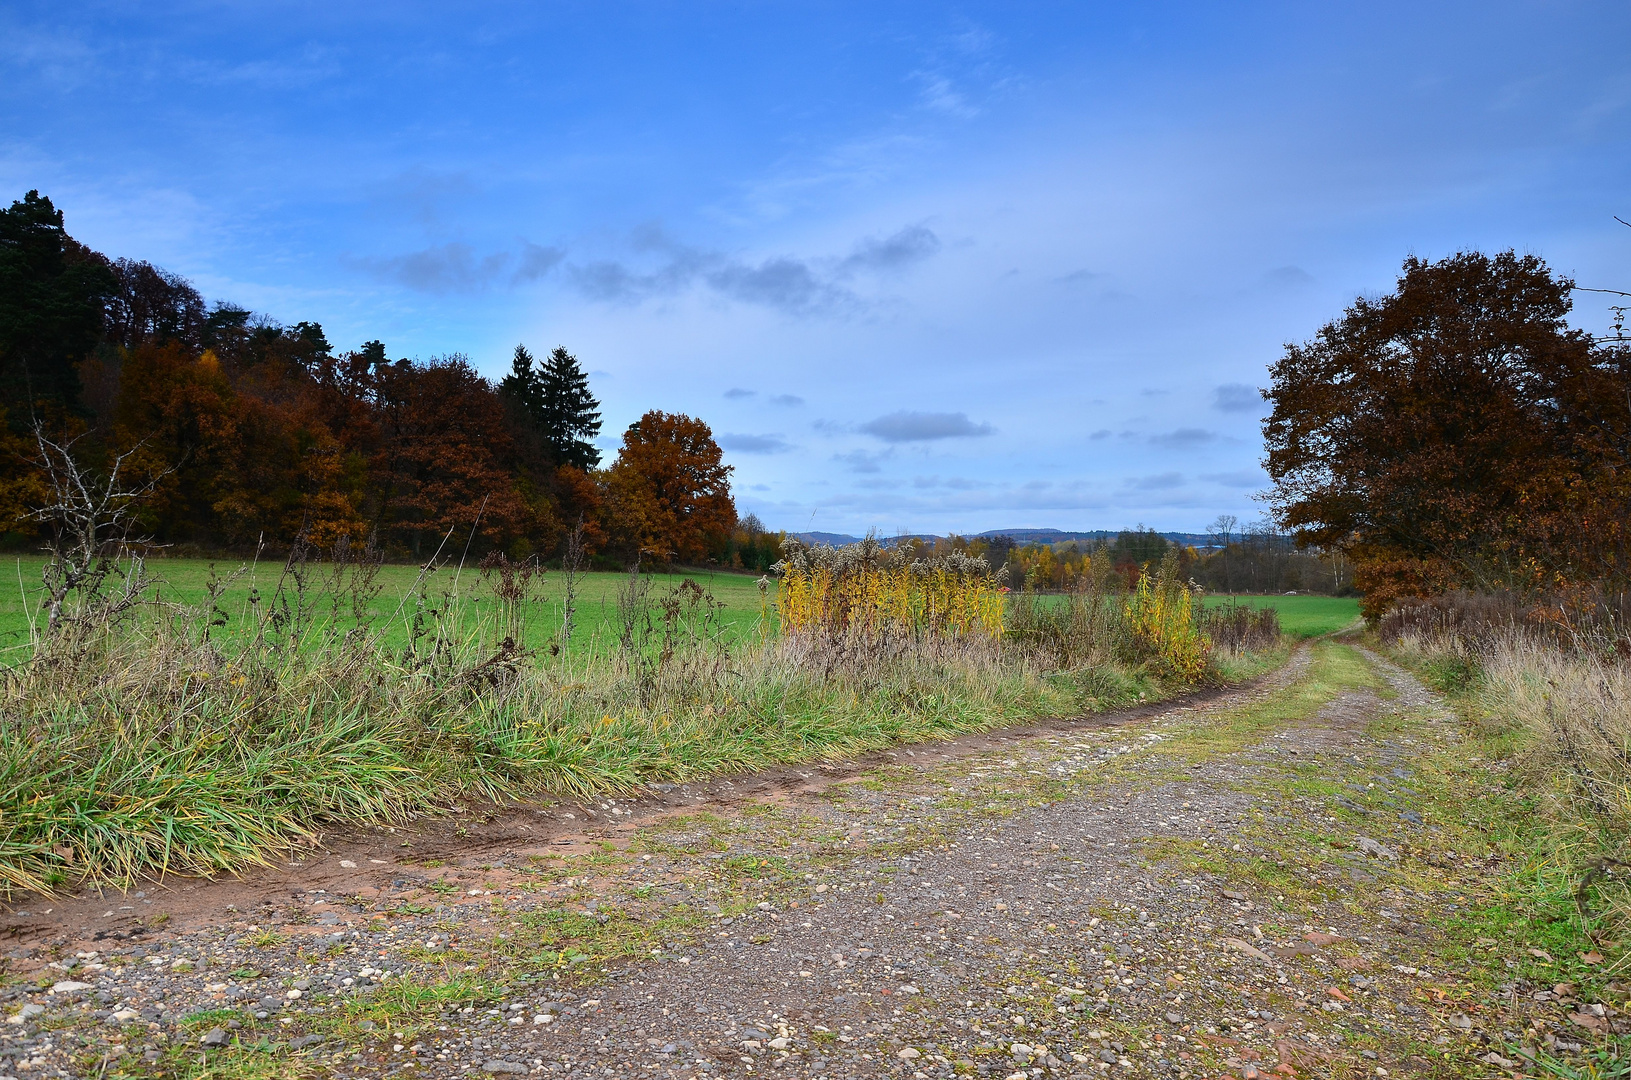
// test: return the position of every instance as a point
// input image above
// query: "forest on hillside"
(239, 432)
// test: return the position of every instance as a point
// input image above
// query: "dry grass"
(1565, 706)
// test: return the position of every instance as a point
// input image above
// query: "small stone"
(68, 986)
(1381, 851)
(907, 1054)
(300, 1042)
(27, 1012)
(1021, 1051)
(122, 1016)
(497, 1066)
(1460, 1020)
(1107, 1056)
(348, 864)
(1492, 1058)
(214, 1037)
(1247, 949)
(1174, 1018)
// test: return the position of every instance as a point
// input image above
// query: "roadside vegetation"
(140, 734)
(1549, 687)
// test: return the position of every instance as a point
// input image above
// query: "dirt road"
(1264, 881)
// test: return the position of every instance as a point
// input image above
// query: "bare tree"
(572, 571)
(89, 517)
(1222, 534)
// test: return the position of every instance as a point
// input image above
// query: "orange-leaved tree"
(668, 492)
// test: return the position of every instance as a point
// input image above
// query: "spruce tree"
(523, 386)
(569, 415)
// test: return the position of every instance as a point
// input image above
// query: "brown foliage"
(440, 459)
(257, 432)
(1457, 433)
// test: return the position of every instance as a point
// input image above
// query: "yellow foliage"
(871, 600)
(1161, 614)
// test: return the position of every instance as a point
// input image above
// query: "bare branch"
(90, 518)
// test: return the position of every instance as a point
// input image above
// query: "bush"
(1162, 617)
(1234, 627)
(877, 597)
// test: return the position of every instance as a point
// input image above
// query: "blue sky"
(923, 267)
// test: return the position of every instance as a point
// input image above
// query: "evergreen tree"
(523, 386)
(569, 415)
(52, 294)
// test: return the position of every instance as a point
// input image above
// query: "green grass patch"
(1300, 616)
(464, 594)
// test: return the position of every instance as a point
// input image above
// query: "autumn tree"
(150, 305)
(1456, 433)
(669, 489)
(440, 462)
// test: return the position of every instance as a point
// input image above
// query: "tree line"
(250, 432)
(1254, 558)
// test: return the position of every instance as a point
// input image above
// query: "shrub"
(1161, 614)
(1234, 628)
(870, 593)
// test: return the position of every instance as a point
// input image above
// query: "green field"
(1301, 616)
(465, 594)
(469, 597)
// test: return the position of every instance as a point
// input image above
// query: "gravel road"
(1127, 898)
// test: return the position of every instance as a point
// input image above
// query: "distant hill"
(835, 539)
(1021, 536)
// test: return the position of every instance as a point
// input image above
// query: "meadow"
(1303, 616)
(464, 593)
(742, 611)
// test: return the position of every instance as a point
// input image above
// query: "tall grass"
(1158, 625)
(1554, 678)
(139, 738)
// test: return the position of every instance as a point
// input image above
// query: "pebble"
(1380, 850)
(27, 1012)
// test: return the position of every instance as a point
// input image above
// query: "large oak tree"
(1457, 433)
